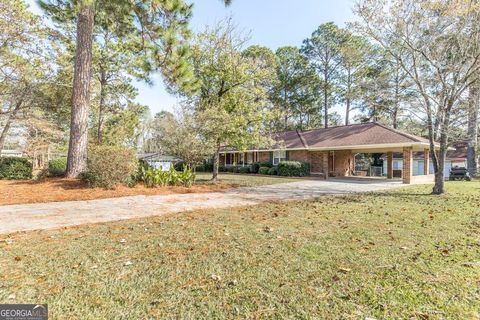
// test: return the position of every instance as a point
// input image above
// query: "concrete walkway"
(61, 214)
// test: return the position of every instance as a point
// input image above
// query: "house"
(331, 151)
(454, 158)
(159, 160)
(11, 153)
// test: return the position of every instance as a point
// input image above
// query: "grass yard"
(403, 254)
(244, 180)
(60, 189)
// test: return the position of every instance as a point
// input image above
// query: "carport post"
(325, 165)
(407, 165)
(426, 161)
(390, 165)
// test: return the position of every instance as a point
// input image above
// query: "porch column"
(390, 165)
(407, 165)
(325, 166)
(426, 161)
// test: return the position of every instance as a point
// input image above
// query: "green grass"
(396, 255)
(243, 180)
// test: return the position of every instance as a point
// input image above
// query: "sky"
(270, 23)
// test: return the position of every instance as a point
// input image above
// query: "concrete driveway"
(62, 214)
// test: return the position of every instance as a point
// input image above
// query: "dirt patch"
(60, 189)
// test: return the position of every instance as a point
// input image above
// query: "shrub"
(273, 171)
(15, 168)
(57, 167)
(109, 166)
(244, 170)
(207, 167)
(255, 167)
(293, 169)
(230, 168)
(156, 177)
(186, 177)
(263, 170)
(222, 169)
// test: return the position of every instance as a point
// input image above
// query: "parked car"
(459, 173)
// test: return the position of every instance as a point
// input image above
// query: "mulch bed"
(61, 189)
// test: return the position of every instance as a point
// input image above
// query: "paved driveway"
(61, 214)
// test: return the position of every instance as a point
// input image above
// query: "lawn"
(244, 180)
(59, 189)
(402, 254)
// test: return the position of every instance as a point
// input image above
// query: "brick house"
(331, 151)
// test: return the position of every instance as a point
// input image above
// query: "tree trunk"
(473, 109)
(77, 148)
(11, 117)
(101, 109)
(216, 163)
(439, 188)
(325, 102)
(347, 99)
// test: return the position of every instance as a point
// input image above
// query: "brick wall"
(299, 155)
(344, 164)
(316, 161)
(407, 165)
(263, 156)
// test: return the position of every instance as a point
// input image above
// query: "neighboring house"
(11, 153)
(159, 160)
(331, 151)
(454, 158)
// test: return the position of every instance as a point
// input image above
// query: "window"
(279, 156)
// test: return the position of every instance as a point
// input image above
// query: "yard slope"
(398, 254)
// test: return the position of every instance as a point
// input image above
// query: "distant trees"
(24, 64)
(296, 92)
(324, 53)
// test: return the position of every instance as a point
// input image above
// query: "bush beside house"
(15, 168)
(263, 170)
(293, 169)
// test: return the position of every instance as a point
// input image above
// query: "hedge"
(256, 166)
(57, 167)
(15, 168)
(273, 171)
(293, 169)
(263, 170)
(243, 169)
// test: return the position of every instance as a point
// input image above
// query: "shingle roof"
(344, 136)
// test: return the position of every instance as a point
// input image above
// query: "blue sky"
(272, 23)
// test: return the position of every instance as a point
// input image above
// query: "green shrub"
(15, 168)
(263, 170)
(230, 168)
(244, 169)
(158, 178)
(255, 168)
(293, 169)
(109, 166)
(186, 177)
(222, 169)
(273, 171)
(57, 167)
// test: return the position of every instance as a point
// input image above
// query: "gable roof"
(344, 136)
